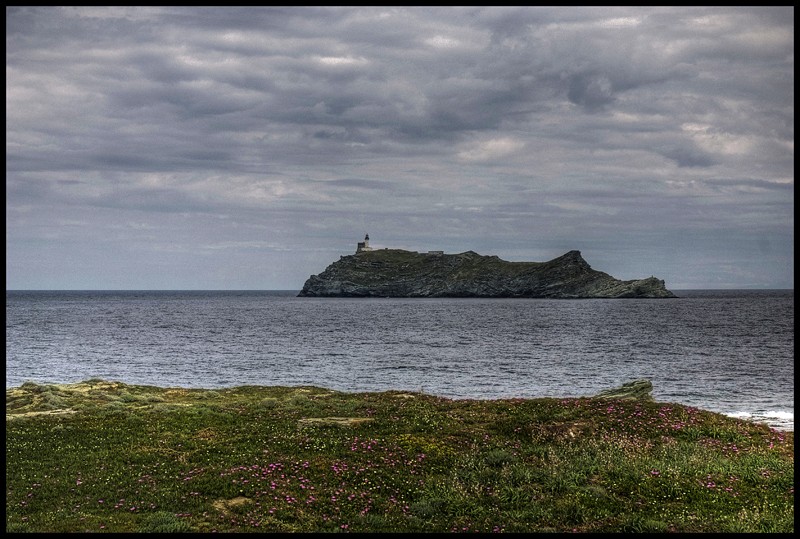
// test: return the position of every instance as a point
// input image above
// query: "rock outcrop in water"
(400, 273)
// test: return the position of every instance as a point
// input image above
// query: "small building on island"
(363, 245)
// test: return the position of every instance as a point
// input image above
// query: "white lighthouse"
(363, 245)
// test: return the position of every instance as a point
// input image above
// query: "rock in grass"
(637, 389)
(335, 421)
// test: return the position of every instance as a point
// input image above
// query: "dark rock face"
(399, 273)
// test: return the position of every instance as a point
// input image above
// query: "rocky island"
(400, 273)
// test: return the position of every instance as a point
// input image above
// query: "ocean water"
(728, 351)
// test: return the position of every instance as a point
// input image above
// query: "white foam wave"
(779, 415)
(780, 419)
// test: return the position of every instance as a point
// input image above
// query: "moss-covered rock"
(637, 389)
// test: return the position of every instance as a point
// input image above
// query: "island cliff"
(400, 273)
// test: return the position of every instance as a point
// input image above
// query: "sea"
(727, 351)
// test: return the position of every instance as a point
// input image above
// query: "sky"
(191, 148)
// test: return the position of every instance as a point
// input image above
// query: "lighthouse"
(363, 245)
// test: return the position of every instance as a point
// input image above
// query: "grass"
(103, 456)
(388, 265)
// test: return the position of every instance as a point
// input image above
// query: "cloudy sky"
(247, 148)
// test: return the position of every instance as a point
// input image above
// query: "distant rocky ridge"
(400, 273)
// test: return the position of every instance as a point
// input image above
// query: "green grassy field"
(108, 457)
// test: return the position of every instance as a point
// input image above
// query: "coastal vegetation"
(102, 456)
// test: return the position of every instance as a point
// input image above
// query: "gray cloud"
(512, 131)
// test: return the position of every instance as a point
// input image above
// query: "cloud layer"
(235, 148)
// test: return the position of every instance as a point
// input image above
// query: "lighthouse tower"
(363, 245)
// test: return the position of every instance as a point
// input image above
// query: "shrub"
(51, 401)
(163, 522)
(16, 527)
(33, 387)
(126, 396)
(428, 508)
(641, 524)
(499, 457)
